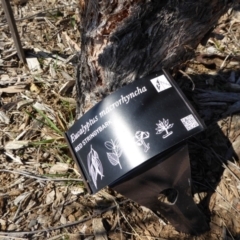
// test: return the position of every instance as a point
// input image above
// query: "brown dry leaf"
(50, 197)
(52, 70)
(3, 224)
(99, 230)
(59, 168)
(76, 190)
(5, 79)
(34, 88)
(63, 220)
(4, 118)
(21, 198)
(66, 76)
(66, 86)
(16, 159)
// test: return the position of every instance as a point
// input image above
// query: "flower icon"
(140, 136)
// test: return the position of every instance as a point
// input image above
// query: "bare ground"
(41, 192)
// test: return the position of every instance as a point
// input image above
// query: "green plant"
(48, 122)
(73, 22)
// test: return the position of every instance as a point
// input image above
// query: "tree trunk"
(123, 40)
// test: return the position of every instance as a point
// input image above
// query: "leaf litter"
(42, 194)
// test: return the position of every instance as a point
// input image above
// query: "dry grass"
(41, 192)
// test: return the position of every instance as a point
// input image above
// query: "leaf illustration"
(113, 158)
(116, 142)
(119, 152)
(140, 137)
(94, 166)
(109, 145)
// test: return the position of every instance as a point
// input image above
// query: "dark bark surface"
(125, 40)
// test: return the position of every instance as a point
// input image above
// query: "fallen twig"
(13, 238)
(40, 12)
(12, 233)
(30, 175)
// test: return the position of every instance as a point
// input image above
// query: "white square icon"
(161, 83)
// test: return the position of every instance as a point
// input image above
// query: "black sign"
(130, 127)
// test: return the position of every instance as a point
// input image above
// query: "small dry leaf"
(66, 76)
(32, 223)
(76, 190)
(16, 159)
(4, 77)
(60, 168)
(33, 65)
(83, 229)
(69, 42)
(52, 71)
(99, 230)
(46, 108)
(34, 88)
(66, 86)
(12, 227)
(14, 145)
(63, 220)
(4, 118)
(3, 224)
(21, 198)
(50, 197)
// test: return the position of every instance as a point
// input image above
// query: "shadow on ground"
(210, 150)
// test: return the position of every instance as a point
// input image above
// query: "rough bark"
(123, 40)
